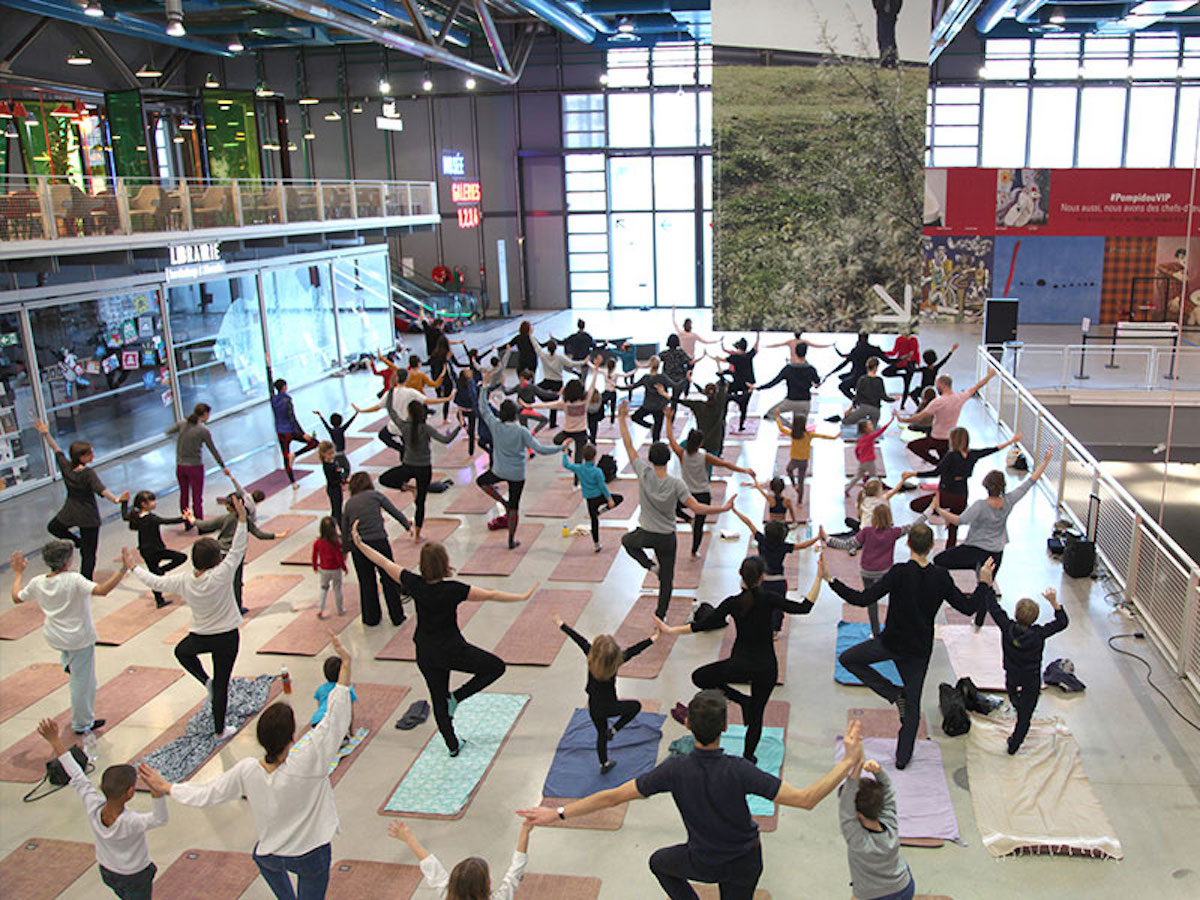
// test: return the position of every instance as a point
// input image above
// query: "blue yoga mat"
(849, 634)
(770, 760)
(440, 785)
(575, 771)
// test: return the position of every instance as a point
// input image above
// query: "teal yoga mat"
(438, 785)
(770, 760)
(849, 634)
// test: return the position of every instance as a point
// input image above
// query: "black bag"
(440, 486)
(57, 776)
(608, 466)
(1079, 557)
(972, 699)
(955, 720)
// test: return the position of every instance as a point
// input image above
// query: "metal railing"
(1159, 579)
(1101, 366)
(40, 207)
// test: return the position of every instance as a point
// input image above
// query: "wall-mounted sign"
(387, 123)
(466, 192)
(469, 217)
(191, 261)
(453, 163)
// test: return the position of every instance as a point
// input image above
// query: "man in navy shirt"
(710, 791)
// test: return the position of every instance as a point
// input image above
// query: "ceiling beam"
(23, 44)
(100, 43)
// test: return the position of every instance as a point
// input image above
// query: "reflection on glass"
(103, 370)
(299, 309)
(21, 452)
(363, 288)
(216, 332)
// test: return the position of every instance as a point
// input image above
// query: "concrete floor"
(1143, 761)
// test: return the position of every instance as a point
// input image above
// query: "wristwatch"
(562, 812)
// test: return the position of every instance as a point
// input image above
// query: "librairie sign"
(189, 261)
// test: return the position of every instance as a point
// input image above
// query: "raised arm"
(623, 424)
(1041, 469)
(971, 391)
(708, 509)
(40, 426)
(669, 417)
(808, 797)
(713, 460)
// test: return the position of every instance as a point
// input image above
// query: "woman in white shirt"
(470, 879)
(289, 793)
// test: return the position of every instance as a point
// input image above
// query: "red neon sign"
(466, 192)
(468, 217)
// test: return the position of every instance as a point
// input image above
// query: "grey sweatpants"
(331, 578)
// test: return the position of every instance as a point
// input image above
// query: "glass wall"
(21, 454)
(362, 287)
(127, 128)
(299, 309)
(231, 131)
(216, 332)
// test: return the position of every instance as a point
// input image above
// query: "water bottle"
(89, 746)
(286, 678)
(566, 530)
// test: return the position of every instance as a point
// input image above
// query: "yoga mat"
(492, 556)
(361, 878)
(455, 456)
(860, 614)
(197, 745)
(400, 646)
(42, 868)
(954, 617)
(775, 717)
(407, 552)
(275, 482)
(20, 621)
(748, 434)
(923, 804)
(317, 501)
(441, 787)
(383, 459)
(307, 635)
(206, 874)
(575, 770)
(849, 634)
(258, 594)
(27, 686)
(852, 463)
(845, 568)
(533, 639)
(770, 759)
(133, 618)
(580, 561)
(639, 623)
(883, 723)
(557, 500)
(133, 688)
(688, 569)
(1038, 801)
(558, 887)
(781, 646)
(470, 500)
(974, 654)
(289, 523)
(352, 443)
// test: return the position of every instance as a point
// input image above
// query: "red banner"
(1138, 202)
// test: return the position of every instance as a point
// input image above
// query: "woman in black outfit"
(441, 647)
(363, 514)
(146, 522)
(80, 508)
(527, 355)
(604, 658)
(741, 376)
(752, 660)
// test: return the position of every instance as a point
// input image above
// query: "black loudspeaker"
(1079, 558)
(1000, 320)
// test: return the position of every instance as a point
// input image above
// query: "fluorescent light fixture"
(92, 9)
(333, 116)
(263, 92)
(236, 45)
(79, 58)
(62, 111)
(148, 71)
(357, 108)
(175, 28)
(5, 110)
(1161, 7)
(309, 136)
(625, 25)
(174, 10)
(187, 126)
(308, 101)
(604, 78)
(1057, 18)
(470, 83)
(178, 139)
(210, 81)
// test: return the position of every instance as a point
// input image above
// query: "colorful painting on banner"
(957, 276)
(1056, 278)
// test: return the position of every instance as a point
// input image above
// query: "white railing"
(1159, 579)
(1102, 366)
(39, 208)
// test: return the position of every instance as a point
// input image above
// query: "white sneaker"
(226, 734)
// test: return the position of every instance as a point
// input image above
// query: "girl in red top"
(329, 560)
(905, 357)
(864, 450)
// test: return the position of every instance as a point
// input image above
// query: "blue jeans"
(311, 870)
(82, 666)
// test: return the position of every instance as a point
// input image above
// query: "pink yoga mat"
(24, 619)
(352, 443)
(845, 568)
(27, 686)
(288, 522)
(557, 500)
(558, 887)
(860, 614)
(639, 624)
(883, 723)
(307, 635)
(362, 878)
(455, 456)
(384, 459)
(776, 716)
(317, 501)
(533, 639)
(275, 482)
(129, 691)
(133, 618)
(258, 593)
(469, 500)
(401, 646)
(493, 557)
(206, 874)
(781, 646)
(580, 561)
(42, 868)
(975, 654)
(687, 569)
(407, 552)
(749, 433)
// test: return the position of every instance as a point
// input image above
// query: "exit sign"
(466, 192)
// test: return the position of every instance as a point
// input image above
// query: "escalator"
(412, 292)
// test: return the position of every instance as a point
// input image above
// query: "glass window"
(629, 120)
(1151, 123)
(584, 121)
(1056, 57)
(1155, 55)
(583, 102)
(585, 181)
(1105, 57)
(1005, 121)
(1101, 127)
(632, 183)
(632, 259)
(589, 299)
(104, 370)
(675, 182)
(1052, 143)
(585, 162)
(216, 332)
(674, 64)
(956, 114)
(128, 131)
(580, 201)
(362, 285)
(954, 156)
(299, 307)
(675, 258)
(707, 225)
(675, 120)
(1190, 67)
(706, 193)
(590, 224)
(583, 139)
(1187, 129)
(22, 456)
(706, 63)
(231, 131)
(589, 262)
(956, 136)
(589, 281)
(1006, 59)
(587, 243)
(706, 119)
(629, 67)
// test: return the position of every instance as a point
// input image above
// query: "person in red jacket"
(904, 360)
(330, 562)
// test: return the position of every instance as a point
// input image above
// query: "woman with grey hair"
(66, 600)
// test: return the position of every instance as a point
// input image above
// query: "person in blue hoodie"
(594, 487)
(287, 429)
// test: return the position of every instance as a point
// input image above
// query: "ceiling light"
(357, 108)
(81, 109)
(92, 9)
(263, 92)
(178, 139)
(470, 83)
(604, 78)
(236, 45)
(333, 116)
(427, 85)
(625, 25)
(175, 28)
(19, 111)
(79, 58)
(63, 111)
(11, 131)
(309, 136)
(292, 148)
(148, 71)
(308, 101)
(385, 86)
(187, 126)
(210, 81)
(174, 10)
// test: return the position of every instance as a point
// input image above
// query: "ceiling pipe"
(326, 15)
(643, 7)
(561, 17)
(373, 9)
(119, 23)
(946, 29)
(991, 14)
(1028, 9)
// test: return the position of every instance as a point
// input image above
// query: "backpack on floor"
(955, 720)
(608, 466)
(440, 486)
(972, 699)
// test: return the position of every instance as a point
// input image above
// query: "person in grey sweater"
(418, 459)
(867, 810)
(194, 436)
(510, 442)
(366, 506)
